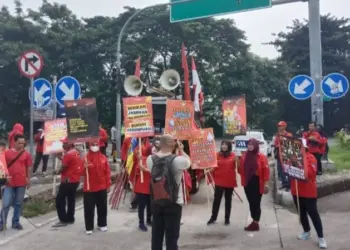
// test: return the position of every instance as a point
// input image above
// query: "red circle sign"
(30, 63)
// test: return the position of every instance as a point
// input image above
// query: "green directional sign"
(206, 8)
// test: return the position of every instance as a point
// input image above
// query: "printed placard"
(54, 132)
(203, 149)
(138, 116)
(292, 156)
(179, 119)
(234, 116)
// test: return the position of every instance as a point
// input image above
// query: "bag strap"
(15, 159)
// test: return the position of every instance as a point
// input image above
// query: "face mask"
(95, 148)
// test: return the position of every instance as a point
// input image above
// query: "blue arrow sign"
(67, 89)
(335, 86)
(42, 93)
(301, 87)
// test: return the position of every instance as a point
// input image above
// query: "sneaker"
(88, 232)
(227, 222)
(59, 224)
(132, 209)
(253, 227)
(143, 228)
(322, 243)
(44, 173)
(103, 229)
(304, 236)
(17, 226)
(181, 222)
(211, 221)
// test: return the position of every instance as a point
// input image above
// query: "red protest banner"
(54, 132)
(203, 149)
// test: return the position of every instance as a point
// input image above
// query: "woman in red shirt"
(142, 189)
(255, 174)
(225, 181)
(97, 183)
(305, 199)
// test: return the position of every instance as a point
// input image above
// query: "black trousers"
(144, 201)
(134, 202)
(319, 162)
(103, 150)
(308, 206)
(252, 191)
(219, 191)
(98, 200)
(38, 157)
(65, 202)
(166, 220)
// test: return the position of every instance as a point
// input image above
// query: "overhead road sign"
(335, 86)
(30, 63)
(67, 89)
(197, 9)
(42, 93)
(301, 87)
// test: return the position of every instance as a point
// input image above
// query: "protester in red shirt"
(103, 140)
(18, 162)
(305, 199)
(142, 189)
(255, 175)
(314, 143)
(225, 181)
(17, 130)
(70, 171)
(324, 142)
(97, 183)
(39, 155)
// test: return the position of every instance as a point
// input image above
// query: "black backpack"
(164, 189)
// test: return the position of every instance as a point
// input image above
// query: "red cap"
(282, 124)
(64, 140)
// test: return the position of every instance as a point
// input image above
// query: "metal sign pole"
(54, 106)
(31, 127)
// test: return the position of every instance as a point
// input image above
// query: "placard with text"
(54, 132)
(82, 120)
(203, 149)
(138, 116)
(234, 112)
(292, 156)
(179, 119)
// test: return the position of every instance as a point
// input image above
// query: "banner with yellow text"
(234, 116)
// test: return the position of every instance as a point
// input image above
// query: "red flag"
(138, 68)
(187, 94)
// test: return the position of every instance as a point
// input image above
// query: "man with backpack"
(167, 194)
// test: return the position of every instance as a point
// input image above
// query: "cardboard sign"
(234, 116)
(292, 157)
(82, 122)
(54, 132)
(179, 119)
(203, 149)
(138, 116)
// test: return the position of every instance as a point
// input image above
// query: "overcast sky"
(258, 25)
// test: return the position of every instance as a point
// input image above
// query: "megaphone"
(133, 85)
(170, 79)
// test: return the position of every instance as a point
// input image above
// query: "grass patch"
(33, 208)
(340, 156)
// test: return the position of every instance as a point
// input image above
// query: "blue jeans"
(12, 196)
(283, 175)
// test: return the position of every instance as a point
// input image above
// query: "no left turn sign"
(30, 63)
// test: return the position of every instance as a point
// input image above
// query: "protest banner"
(292, 157)
(179, 119)
(234, 112)
(203, 149)
(138, 116)
(54, 132)
(82, 122)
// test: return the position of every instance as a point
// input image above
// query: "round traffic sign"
(30, 63)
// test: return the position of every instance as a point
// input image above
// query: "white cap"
(304, 142)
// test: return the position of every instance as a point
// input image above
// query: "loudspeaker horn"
(170, 79)
(133, 85)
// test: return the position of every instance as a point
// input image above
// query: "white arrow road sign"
(39, 95)
(336, 87)
(68, 92)
(300, 88)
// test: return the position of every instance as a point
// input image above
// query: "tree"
(294, 48)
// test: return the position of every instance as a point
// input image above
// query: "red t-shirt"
(18, 170)
(225, 174)
(73, 163)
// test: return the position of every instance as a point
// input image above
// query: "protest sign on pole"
(82, 121)
(234, 112)
(54, 131)
(138, 116)
(179, 119)
(203, 149)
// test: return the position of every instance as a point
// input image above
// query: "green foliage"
(36, 207)
(340, 156)
(343, 139)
